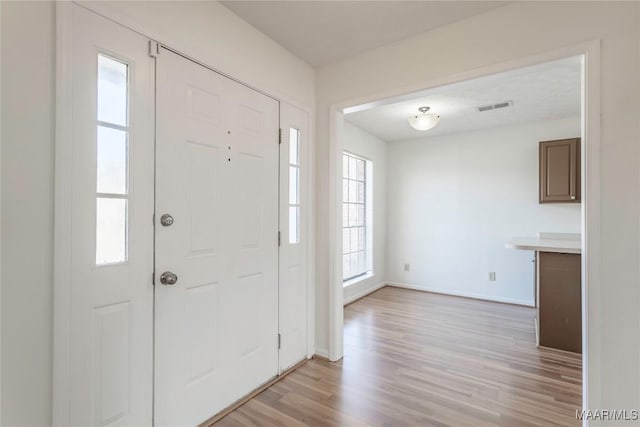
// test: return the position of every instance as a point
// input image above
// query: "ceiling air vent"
(495, 106)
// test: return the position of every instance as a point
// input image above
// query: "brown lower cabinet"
(559, 320)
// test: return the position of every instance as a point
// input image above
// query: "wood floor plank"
(417, 358)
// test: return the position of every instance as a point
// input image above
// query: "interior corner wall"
(206, 31)
(28, 40)
(455, 200)
(512, 32)
(362, 143)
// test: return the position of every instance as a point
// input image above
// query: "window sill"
(358, 279)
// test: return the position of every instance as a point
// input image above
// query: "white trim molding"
(361, 293)
(322, 352)
(311, 237)
(62, 214)
(0, 220)
(444, 291)
(591, 235)
(336, 288)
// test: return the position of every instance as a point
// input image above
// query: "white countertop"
(547, 242)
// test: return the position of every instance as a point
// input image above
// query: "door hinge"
(154, 49)
(279, 341)
(279, 238)
(153, 278)
(279, 136)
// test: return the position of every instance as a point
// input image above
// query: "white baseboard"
(460, 294)
(364, 292)
(322, 353)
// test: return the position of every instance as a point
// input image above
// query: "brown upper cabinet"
(560, 171)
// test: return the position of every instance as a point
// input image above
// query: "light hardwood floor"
(416, 358)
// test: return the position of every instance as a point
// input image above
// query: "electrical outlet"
(407, 267)
(492, 276)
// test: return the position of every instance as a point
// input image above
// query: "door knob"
(168, 278)
(166, 220)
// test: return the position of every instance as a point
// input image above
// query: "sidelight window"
(112, 161)
(294, 185)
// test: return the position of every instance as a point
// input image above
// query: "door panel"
(217, 175)
(203, 194)
(293, 225)
(111, 301)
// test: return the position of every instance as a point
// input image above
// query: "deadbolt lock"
(166, 220)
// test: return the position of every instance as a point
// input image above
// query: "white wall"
(512, 32)
(362, 143)
(0, 215)
(454, 200)
(212, 34)
(205, 30)
(27, 212)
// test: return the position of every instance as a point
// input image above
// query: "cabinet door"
(560, 171)
(560, 301)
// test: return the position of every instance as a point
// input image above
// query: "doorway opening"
(423, 253)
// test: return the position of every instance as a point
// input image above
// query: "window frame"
(365, 248)
(126, 128)
(294, 164)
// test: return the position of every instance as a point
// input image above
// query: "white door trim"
(591, 272)
(0, 221)
(62, 214)
(62, 193)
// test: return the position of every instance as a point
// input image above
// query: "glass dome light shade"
(424, 121)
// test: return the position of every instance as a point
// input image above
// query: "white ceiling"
(322, 32)
(541, 92)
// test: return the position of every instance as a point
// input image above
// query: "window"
(112, 161)
(294, 185)
(355, 210)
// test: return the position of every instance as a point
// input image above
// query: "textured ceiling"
(541, 92)
(322, 32)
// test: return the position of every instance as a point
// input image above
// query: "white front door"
(108, 331)
(217, 177)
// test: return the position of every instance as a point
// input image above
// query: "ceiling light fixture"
(424, 120)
